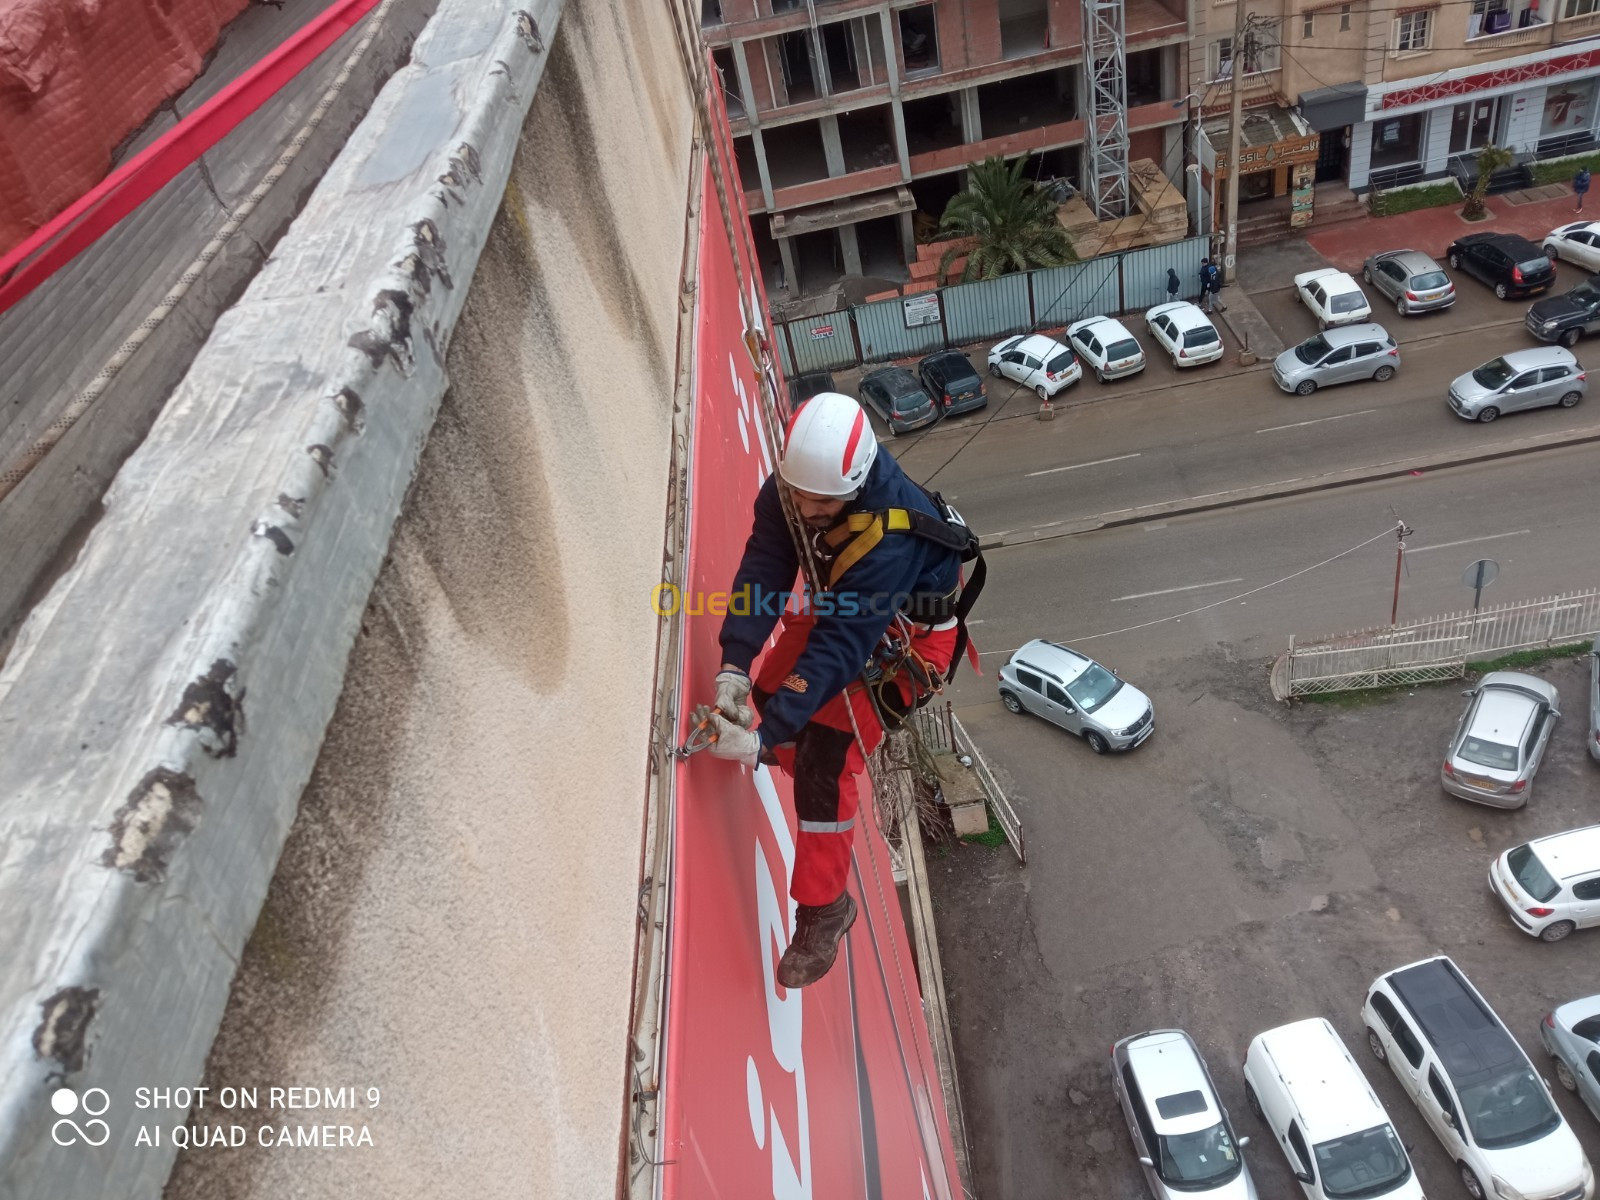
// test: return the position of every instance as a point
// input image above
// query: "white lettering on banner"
(749, 422)
(774, 921)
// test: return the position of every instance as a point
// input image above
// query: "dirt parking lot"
(1248, 866)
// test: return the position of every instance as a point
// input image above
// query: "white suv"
(1303, 1083)
(1474, 1085)
(1551, 885)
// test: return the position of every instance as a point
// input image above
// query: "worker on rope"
(879, 636)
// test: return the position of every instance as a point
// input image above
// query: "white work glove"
(733, 689)
(734, 743)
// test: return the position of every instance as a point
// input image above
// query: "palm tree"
(1012, 219)
(1490, 159)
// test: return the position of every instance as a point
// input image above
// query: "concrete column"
(901, 150)
(851, 249)
(761, 167)
(791, 277)
(971, 118)
(908, 238)
(832, 148)
(1436, 139)
(891, 62)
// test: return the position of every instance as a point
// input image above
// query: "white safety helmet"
(829, 447)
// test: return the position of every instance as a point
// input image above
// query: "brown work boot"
(817, 933)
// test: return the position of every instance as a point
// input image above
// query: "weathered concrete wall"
(55, 341)
(161, 711)
(453, 920)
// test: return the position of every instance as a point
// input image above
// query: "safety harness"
(857, 535)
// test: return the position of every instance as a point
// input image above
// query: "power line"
(1228, 600)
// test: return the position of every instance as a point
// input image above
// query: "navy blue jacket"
(852, 616)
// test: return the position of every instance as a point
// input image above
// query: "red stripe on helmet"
(855, 439)
(788, 431)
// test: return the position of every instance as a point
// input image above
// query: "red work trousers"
(825, 761)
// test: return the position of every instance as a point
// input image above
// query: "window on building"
(1580, 8)
(1413, 31)
(728, 73)
(710, 12)
(1397, 141)
(1308, 26)
(1260, 53)
(919, 39)
(1344, 18)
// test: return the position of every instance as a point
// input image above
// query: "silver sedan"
(1570, 1035)
(1500, 739)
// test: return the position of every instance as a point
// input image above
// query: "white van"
(1474, 1085)
(1302, 1082)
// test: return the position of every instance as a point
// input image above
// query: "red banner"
(830, 1091)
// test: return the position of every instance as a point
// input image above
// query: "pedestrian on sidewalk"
(1580, 188)
(1207, 297)
(1174, 284)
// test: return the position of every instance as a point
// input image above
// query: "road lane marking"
(1488, 537)
(1168, 591)
(1075, 466)
(1365, 412)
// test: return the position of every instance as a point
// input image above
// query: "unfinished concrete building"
(852, 115)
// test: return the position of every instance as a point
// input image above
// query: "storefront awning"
(1334, 107)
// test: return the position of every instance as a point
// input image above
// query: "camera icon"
(65, 1102)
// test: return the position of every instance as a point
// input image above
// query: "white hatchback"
(1551, 885)
(1107, 346)
(1036, 362)
(1578, 243)
(1333, 297)
(1186, 333)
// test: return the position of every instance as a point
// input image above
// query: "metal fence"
(1436, 648)
(906, 326)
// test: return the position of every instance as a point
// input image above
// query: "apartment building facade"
(850, 116)
(1402, 91)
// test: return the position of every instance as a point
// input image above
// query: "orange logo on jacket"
(795, 684)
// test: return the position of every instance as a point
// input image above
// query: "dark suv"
(1567, 317)
(950, 379)
(1510, 264)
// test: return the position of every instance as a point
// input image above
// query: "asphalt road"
(1251, 864)
(1169, 437)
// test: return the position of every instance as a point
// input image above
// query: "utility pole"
(1401, 532)
(1237, 58)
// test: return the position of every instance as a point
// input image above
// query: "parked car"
(1551, 885)
(1036, 362)
(803, 387)
(1571, 1035)
(1180, 1131)
(949, 378)
(1500, 739)
(1578, 243)
(1337, 356)
(1075, 692)
(1185, 332)
(1473, 1085)
(1594, 701)
(1107, 346)
(1567, 317)
(1333, 297)
(1522, 379)
(897, 397)
(1507, 262)
(1301, 1081)
(1411, 279)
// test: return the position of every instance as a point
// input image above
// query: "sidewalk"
(1532, 213)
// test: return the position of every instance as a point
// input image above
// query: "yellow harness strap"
(859, 534)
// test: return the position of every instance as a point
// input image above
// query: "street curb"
(1295, 487)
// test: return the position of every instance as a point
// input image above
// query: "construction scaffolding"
(1105, 108)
